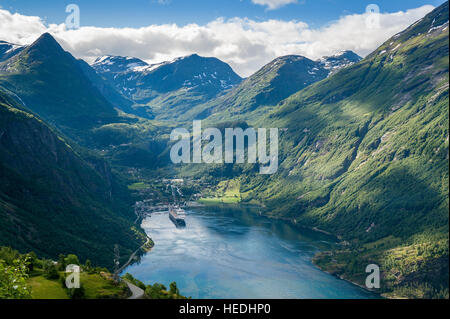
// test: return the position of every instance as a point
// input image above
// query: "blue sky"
(247, 36)
(138, 13)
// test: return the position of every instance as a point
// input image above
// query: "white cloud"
(243, 43)
(273, 4)
(18, 28)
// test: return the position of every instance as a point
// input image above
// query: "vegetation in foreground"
(25, 276)
(155, 291)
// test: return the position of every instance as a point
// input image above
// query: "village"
(161, 193)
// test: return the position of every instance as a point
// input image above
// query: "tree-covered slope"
(54, 201)
(365, 156)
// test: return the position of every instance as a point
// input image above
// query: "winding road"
(131, 257)
(136, 292)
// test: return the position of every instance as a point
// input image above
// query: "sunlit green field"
(42, 288)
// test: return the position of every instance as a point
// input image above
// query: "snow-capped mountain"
(140, 81)
(117, 64)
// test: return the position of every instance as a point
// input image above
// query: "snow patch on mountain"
(8, 50)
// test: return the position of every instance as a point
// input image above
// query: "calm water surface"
(234, 253)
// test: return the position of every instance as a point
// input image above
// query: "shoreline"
(132, 257)
(314, 229)
(349, 281)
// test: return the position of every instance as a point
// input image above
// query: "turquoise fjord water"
(229, 252)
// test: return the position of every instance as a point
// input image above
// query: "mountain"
(170, 88)
(51, 82)
(274, 82)
(54, 200)
(364, 154)
(194, 86)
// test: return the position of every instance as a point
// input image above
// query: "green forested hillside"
(53, 201)
(365, 156)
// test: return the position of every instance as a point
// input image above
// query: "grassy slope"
(225, 192)
(42, 288)
(100, 287)
(96, 286)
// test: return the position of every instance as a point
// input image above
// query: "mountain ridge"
(272, 83)
(169, 87)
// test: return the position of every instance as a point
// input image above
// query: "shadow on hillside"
(396, 202)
